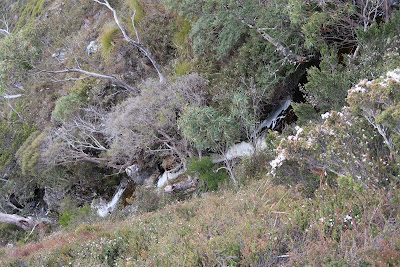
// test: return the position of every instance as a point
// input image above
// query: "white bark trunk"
(112, 79)
(25, 223)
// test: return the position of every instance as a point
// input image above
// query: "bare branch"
(112, 79)
(137, 43)
(5, 31)
(296, 59)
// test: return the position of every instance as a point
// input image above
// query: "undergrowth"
(260, 225)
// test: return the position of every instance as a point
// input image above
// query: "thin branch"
(284, 50)
(137, 43)
(5, 31)
(113, 79)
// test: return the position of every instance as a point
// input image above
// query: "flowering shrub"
(360, 141)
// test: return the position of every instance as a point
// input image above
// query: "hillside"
(199, 133)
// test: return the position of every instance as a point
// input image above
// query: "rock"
(52, 198)
(92, 47)
(168, 177)
(61, 55)
(139, 175)
(182, 186)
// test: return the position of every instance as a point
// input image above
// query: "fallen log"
(25, 223)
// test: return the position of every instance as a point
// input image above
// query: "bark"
(25, 223)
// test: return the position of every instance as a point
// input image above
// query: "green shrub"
(66, 106)
(12, 136)
(304, 113)
(29, 153)
(207, 172)
(182, 67)
(30, 12)
(71, 216)
(138, 7)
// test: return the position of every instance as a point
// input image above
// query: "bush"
(12, 136)
(207, 171)
(304, 113)
(29, 153)
(66, 106)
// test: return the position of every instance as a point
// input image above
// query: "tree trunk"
(25, 223)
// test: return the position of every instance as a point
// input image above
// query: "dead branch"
(136, 43)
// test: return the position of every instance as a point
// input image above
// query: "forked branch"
(136, 43)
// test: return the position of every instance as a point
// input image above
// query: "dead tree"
(138, 44)
(25, 223)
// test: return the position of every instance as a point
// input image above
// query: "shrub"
(66, 106)
(304, 113)
(29, 153)
(12, 136)
(207, 171)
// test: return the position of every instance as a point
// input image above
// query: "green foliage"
(181, 36)
(72, 216)
(66, 106)
(358, 143)
(29, 153)
(29, 12)
(329, 83)
(304, 113)
(12, 136)
(82, 88)
(10, 233)
(108, 39)
(207, 171)
(16, 54)
(183, 67)
(206, 128)
(137, 6)
(379, 49)
(321, 22)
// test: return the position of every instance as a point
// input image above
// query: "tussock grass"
(108, 39)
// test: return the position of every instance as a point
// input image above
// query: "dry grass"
(260, 225)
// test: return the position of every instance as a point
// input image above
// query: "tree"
(220, 26)
(147, 124)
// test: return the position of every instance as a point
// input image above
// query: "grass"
(260, 224)
(107, 39)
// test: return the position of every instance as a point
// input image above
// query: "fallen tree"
(25, 223)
